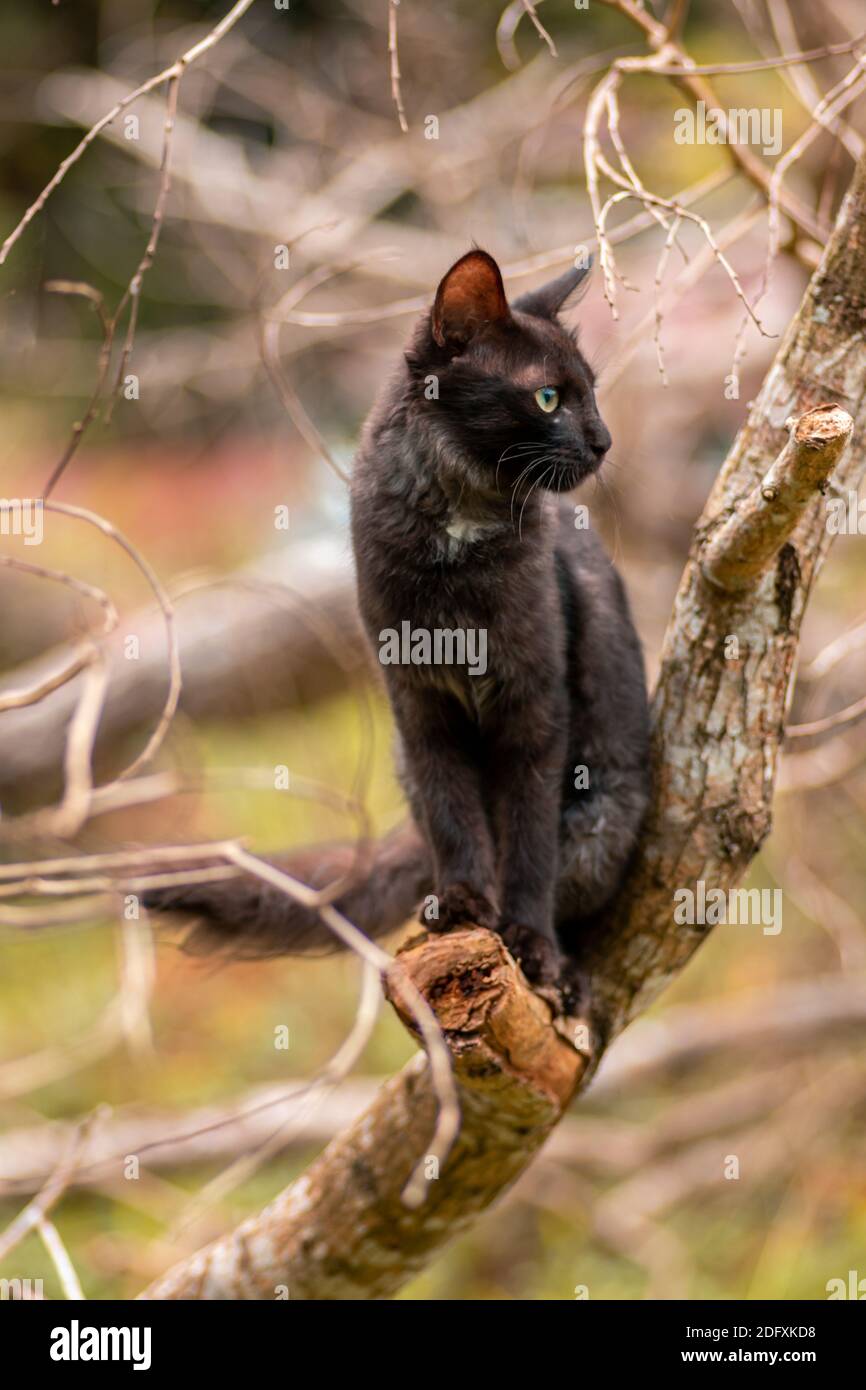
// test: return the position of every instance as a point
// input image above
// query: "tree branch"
(738, 553)
(343, 1231)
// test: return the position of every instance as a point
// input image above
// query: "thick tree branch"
(343, 1231)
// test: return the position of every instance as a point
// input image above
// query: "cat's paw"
(573, 1015)
(537, 956)
(572, 987)
(461, 905)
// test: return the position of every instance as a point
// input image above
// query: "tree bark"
(341, 1231)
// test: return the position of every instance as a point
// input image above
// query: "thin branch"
(335, 1070)
(394, 60)
(82, 654)
(683, 75)
(59, 1255)
(819, 729)
(532, 15)
(172, 696)
(835, 652)
(835, 101)
(675, 19)
(800, 78)
(74, 807)
(37, 1210)
(783, 60)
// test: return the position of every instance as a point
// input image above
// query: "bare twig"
(818, 729)
(156, 738)
(69, 1281)
(73, 810)
(82, 654)
(36, 1211)
(394, 60)
(783, 60)
(835, 652)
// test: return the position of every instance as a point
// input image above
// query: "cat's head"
(507, 384)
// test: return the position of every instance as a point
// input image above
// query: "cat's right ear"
(470, 297)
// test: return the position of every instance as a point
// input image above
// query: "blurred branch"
(835, 651)
(59, 1255)
(786, 1024)
(254, 1153)
(800, 78)
(131, 296)
(281, 632)
(171, 75)
(788, 1019)
(82, 682)
(36, 1211)
(819, 729)
(630, 1208)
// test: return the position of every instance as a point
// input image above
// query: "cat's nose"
(598, 438)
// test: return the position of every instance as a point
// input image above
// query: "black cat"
(509, 656)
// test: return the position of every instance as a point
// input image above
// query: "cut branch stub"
(736, 555)
(487, 1012)
(343, 1231)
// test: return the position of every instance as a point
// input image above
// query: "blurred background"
(302, 231)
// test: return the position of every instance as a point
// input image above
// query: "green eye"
(548, 398)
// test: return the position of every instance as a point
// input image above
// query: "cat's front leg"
(440, 766)
(524, 784)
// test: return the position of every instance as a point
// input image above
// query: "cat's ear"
(470, 296)
(546, 302)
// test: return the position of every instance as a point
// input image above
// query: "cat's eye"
(548, 398)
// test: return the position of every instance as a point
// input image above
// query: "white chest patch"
(463, 531)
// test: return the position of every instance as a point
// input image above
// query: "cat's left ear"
(470, 297)
(546, 302)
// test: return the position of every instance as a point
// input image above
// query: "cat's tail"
(246, 918)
